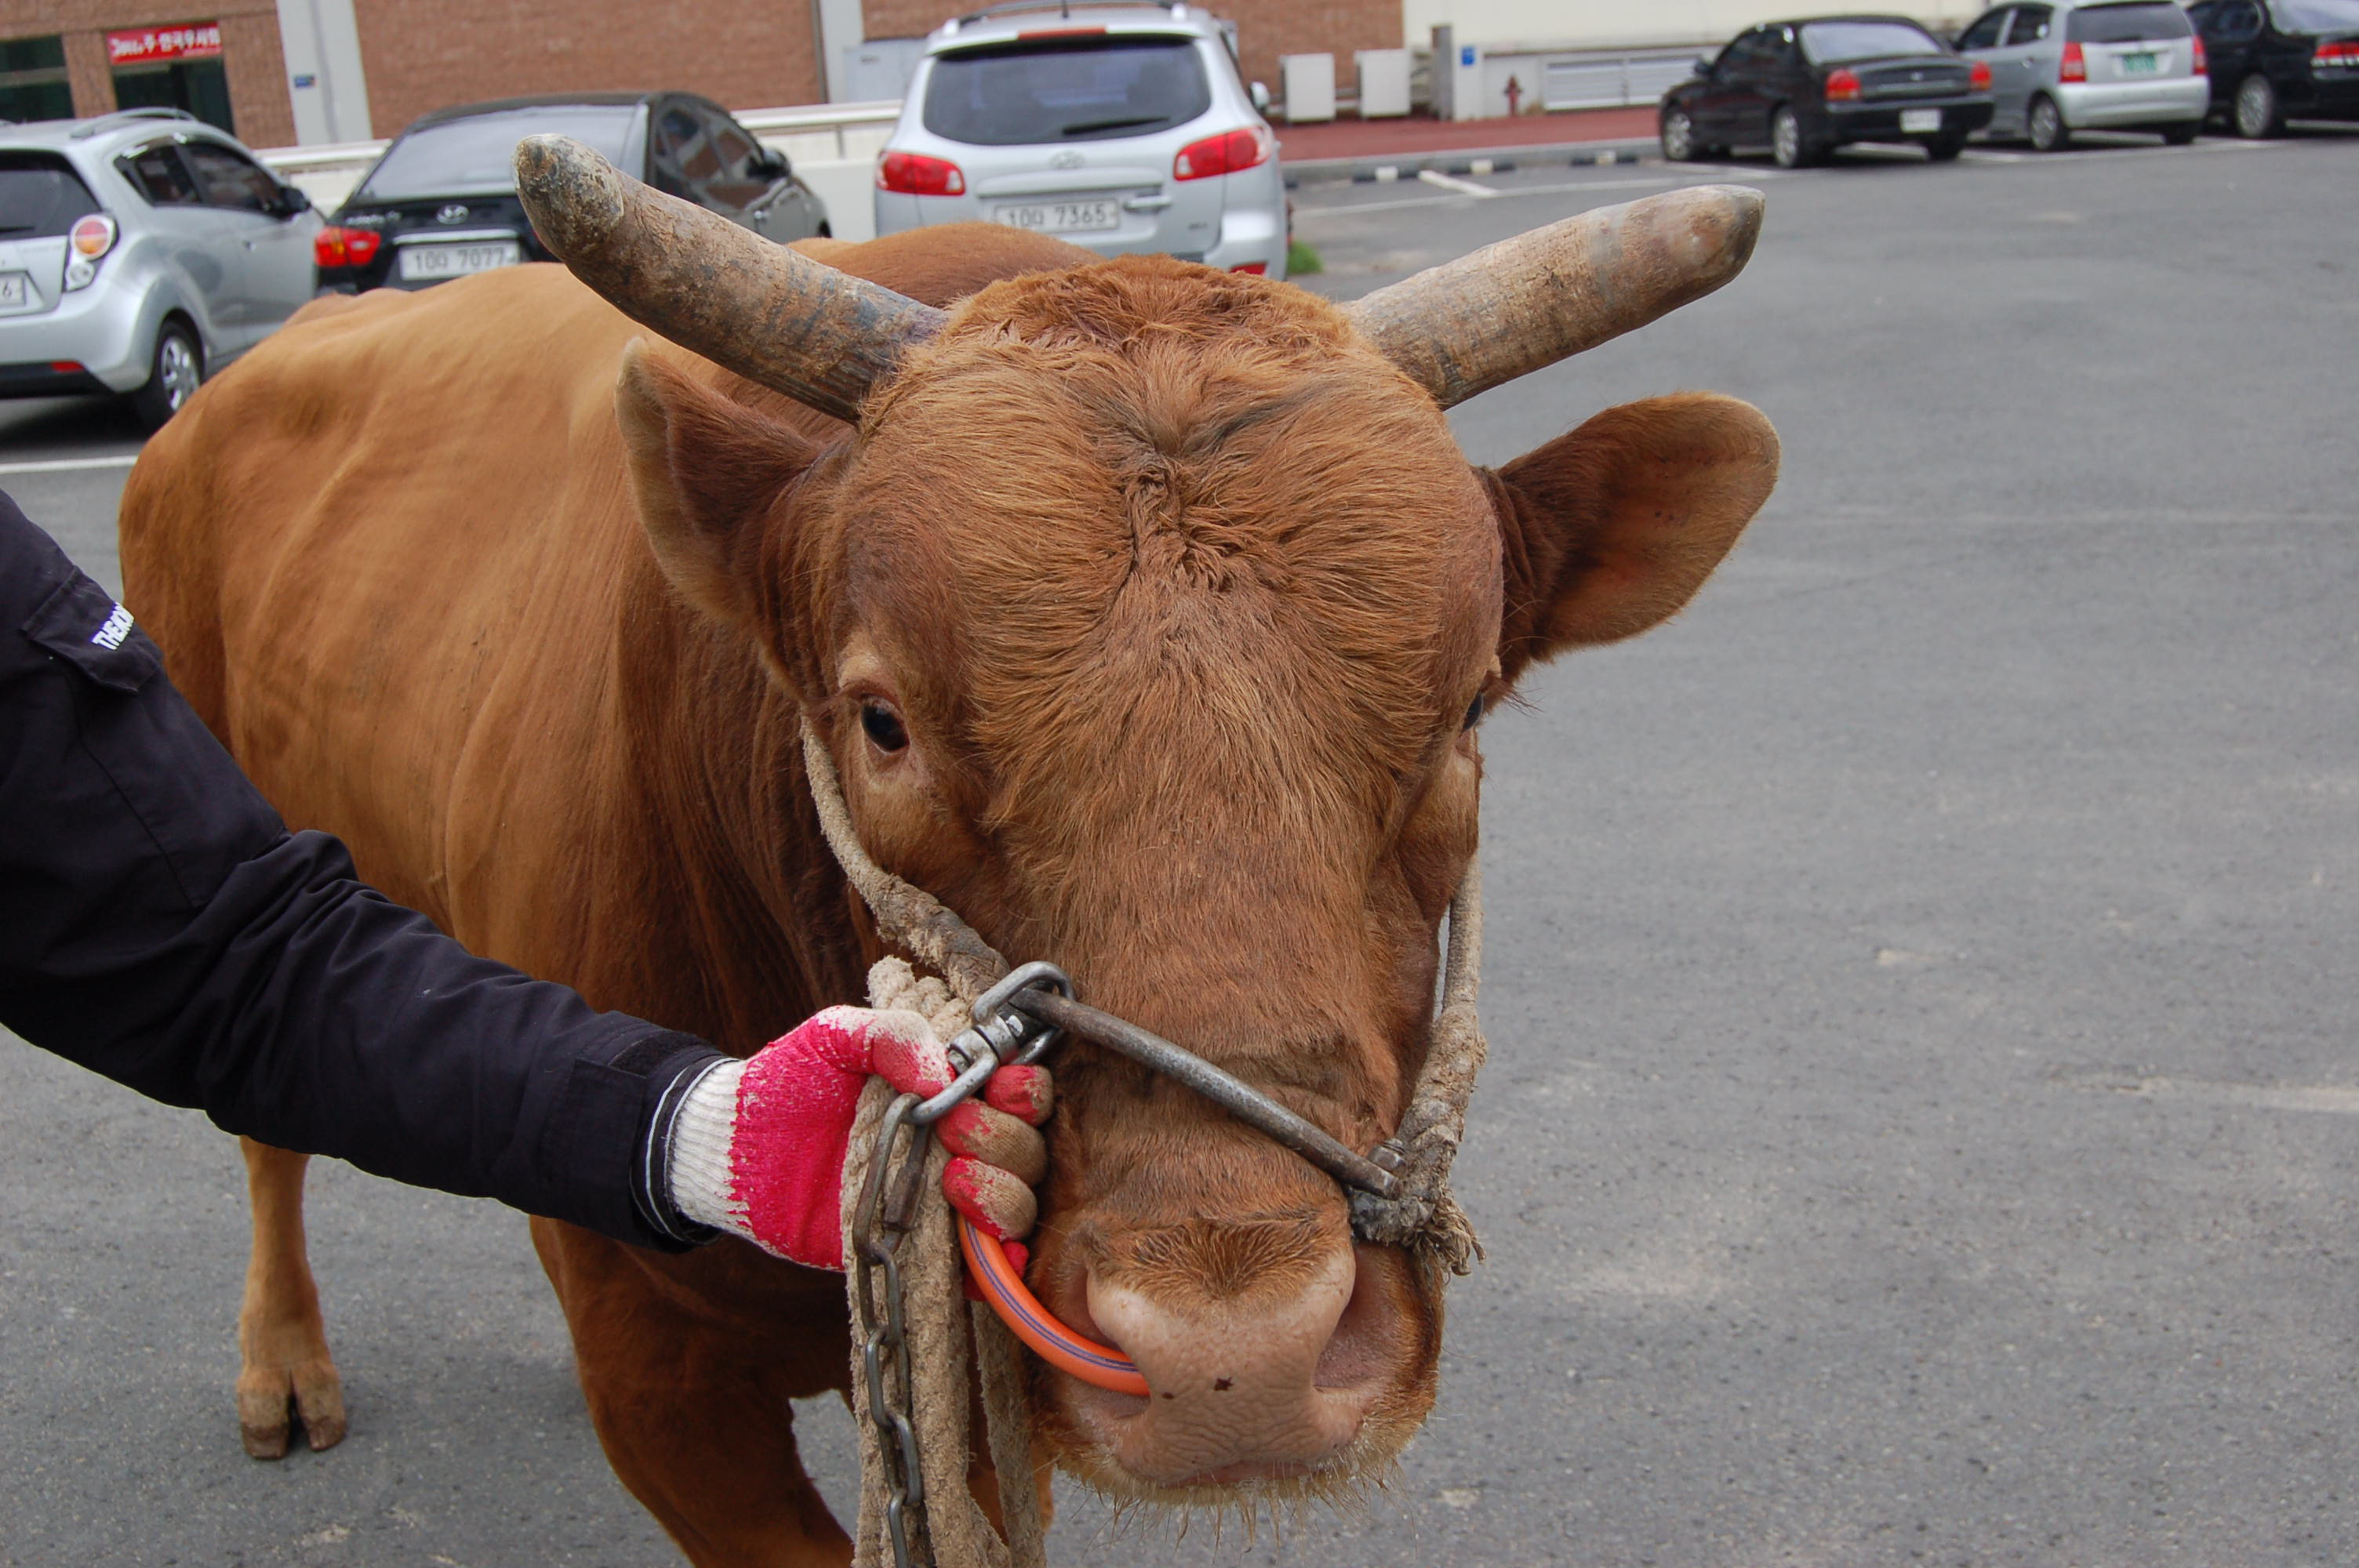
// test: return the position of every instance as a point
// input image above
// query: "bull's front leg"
(688, 1364)
(282, 1344)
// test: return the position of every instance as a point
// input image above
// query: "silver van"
(138, 252)
(2092, 65)
(1121, 127)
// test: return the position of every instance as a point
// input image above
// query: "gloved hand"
(757, 1147)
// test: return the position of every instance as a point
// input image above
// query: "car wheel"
(2046, 127)
(2181, 136)
(174, 372)
(1946, 149)
(1679, 135)
(1785, 143)
(2258, 115)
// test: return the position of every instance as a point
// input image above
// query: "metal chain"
(883, 1220)
(879, 1224)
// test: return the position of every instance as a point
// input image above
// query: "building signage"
(156, 46)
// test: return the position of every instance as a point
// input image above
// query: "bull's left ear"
(1612, 529)
(705, 471)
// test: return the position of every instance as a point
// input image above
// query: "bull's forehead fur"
(1187, 525)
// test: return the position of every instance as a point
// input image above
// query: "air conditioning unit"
(1383, 83)
(1309, 82)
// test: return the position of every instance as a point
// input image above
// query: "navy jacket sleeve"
(159, 924)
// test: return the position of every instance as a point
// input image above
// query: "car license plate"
(420, 263)
(2141, 64)
(1058, 217)
(1919, 122)
(16, 290)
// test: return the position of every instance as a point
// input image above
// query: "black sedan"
(2285, 60)
(441, 203)
(1805, 88)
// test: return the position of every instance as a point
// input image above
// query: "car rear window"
(40, 196)
(476, 155)
(1829, 43)
(2127, 24)
(2318, 15)
(1072, 90)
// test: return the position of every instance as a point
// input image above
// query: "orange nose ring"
(1030, 1321)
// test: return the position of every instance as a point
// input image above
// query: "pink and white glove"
(757, 1147)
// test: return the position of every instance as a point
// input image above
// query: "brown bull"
(1147, 614)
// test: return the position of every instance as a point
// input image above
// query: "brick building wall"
(251, 60)
(1266, 28)
(429, 54)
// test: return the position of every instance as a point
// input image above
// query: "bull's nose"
(1235, 1383)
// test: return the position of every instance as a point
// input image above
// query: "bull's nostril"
(1357, 1353)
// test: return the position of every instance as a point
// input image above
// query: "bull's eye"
(1473, 716)
(883, 726)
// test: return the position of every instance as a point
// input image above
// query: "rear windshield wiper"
(1085, 126)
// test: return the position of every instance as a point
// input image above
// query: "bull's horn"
(1469, 324)
(774, 316)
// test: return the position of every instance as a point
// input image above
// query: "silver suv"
(1121, 127)
(2084, 65)
(138, 251)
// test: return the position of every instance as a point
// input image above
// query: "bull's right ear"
(1610, 530)
(706, 471)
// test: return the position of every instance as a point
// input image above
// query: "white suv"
(1121, 127)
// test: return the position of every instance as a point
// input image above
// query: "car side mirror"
(1703, 66)
(292, 202)
(1260, 91)
(774, 165)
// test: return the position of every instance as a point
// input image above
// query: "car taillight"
(2075, 67)
(1978, 77)
(1842, 86)
(915, 174)
(92, 235)
(2341, 54)
(1230, 153)
(1259, 269)
(2203, 60)
(333, 246)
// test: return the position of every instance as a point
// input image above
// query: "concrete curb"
(1476, 161)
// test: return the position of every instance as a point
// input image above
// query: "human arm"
(159, 926)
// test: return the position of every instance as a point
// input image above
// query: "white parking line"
(1451, 182)
(71, 465)
(1342, 209)
(2334, 1098)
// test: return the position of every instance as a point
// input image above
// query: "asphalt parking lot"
(1924, 1118)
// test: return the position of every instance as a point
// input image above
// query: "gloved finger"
(990, 1197)
(1024, 1093)
(904, 1051)
(994, 1138)
(853, 1040)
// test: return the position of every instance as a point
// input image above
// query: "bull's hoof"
(271, 1399)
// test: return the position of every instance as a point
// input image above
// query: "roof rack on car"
(1178, 8)
(116, 117)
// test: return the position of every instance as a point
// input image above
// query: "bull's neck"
(713, 747)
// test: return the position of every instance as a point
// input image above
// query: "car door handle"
(1147, 203)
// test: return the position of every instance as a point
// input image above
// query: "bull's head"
(1148, 614)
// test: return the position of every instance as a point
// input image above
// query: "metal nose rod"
(1231, 1094)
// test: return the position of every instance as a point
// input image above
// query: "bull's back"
(400, 520)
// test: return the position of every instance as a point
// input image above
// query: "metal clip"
(999, 1039)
